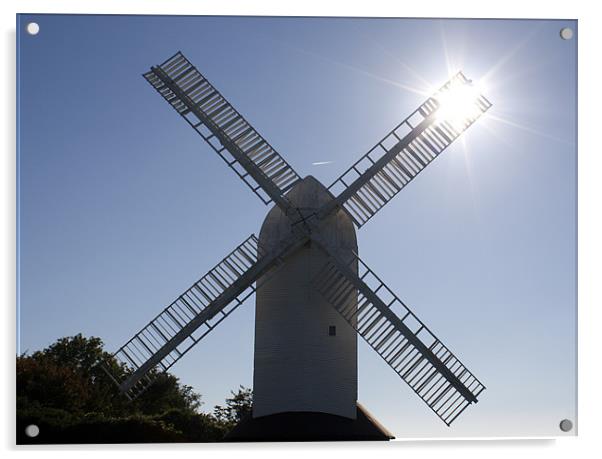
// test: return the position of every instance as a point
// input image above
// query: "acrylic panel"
(271, 228)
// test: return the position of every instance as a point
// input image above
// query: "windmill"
(314, 294)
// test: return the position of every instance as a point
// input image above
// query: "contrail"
(321, 163)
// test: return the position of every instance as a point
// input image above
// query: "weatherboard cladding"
(298, 365)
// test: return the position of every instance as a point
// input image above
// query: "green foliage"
(59, 426)
(64, 391)
(174, 426)
(68, 375)
(166, 393)
(237, 407)
(194, 427)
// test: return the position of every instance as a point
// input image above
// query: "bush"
(195, 427)
(96, 428)
(59, 426)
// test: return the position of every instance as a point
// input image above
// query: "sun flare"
(459, 104)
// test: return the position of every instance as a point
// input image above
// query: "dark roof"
(309, 426)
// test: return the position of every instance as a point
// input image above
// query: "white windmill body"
(305, 352)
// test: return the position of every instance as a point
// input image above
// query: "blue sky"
(122, 207)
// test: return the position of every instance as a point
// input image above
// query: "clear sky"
(122, 206)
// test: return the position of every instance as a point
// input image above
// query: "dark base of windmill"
(309, 426)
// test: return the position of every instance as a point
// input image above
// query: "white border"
(590, 227)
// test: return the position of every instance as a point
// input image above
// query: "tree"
(66, 393)
(67, 375)
(237, 407)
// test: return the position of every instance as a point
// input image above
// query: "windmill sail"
(244, 150)
(400, 338)
(403, 153)
(166, 338)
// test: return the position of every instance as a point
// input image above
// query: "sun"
(459, 104)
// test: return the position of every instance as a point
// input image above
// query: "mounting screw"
(32, 28)
(566, 425)
(566, 33)
(32, 430)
